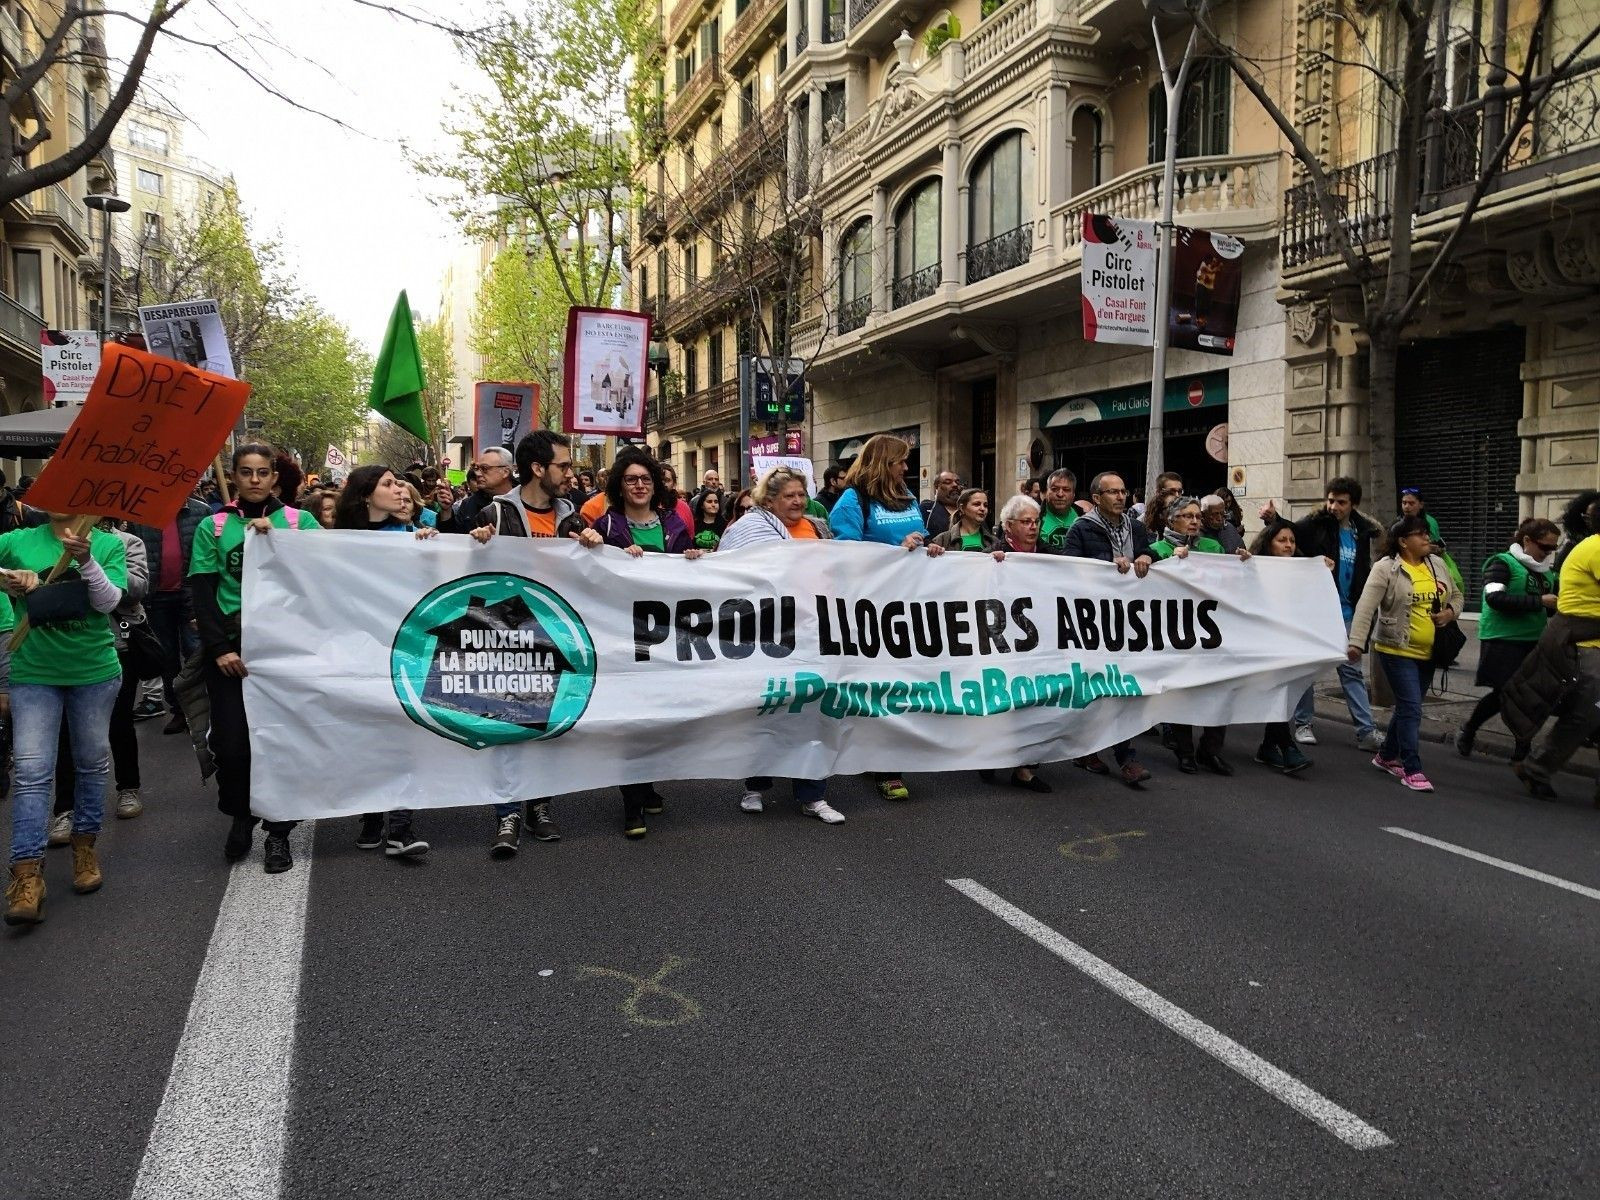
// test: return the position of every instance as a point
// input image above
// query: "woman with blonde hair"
(876, 506)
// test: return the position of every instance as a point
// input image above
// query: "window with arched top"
(1000, 231)
(916, 244)
(855, 276)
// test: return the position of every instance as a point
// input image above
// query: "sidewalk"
(1445, 711)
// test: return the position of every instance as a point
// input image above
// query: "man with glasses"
(1108, 533)
(941, 510)
(538, 509)
(490, 475)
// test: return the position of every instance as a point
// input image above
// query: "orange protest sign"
(147, 433)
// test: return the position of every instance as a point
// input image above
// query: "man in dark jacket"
(832, 486)
(938, 512)
(494, 474)
(168, 604)
(1348, 539)
(1108, 533)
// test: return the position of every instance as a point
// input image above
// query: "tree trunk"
(1383, 365)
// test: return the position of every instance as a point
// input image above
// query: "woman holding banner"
(780, 515)
(876, 506)
(65, 668)
(215, 567)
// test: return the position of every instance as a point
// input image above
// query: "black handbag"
(67, 599)
(1448, 643)
(143, 655)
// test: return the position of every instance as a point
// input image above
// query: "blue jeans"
(36, 711)
(1410, 678)
(1354, 684)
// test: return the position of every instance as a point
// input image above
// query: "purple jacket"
(613, 527)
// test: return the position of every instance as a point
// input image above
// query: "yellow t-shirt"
(1424, 587)
(1579, 594)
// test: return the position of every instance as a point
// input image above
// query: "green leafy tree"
(309, 382)
(439, 370)
(519, 324)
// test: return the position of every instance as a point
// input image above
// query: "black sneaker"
(403, 842)
(240, 834)
(177, 723)
(541, 824)
(1214, 763)
(275, 857)
(633, 820)
(509, 838)
(654, 804)
(371, 835)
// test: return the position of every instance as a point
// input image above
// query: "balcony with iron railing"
(744, 40)
(1003, 253)
(652, 219)
(55, 205)
(918, 285)
(703, 301)
(685, 15)
(20, 328)
(853, 314)
(874, 24)
(698, 94)
(708, 406)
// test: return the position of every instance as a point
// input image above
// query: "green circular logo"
(492, 659)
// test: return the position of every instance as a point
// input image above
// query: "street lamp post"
(1173, 86)
(106, 205)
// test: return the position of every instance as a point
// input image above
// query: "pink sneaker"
(1391, 765)
(1417, 782)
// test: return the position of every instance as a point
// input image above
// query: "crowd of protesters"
(163, 605)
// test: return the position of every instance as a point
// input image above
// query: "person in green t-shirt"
(970, 530)
(216, 567)
(66, 667)
(708, 522)
(1060, 507)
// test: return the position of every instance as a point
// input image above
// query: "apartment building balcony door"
(982, 470)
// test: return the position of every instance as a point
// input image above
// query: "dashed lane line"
(1514, 868)
(1343, 1124)
(220, 1130)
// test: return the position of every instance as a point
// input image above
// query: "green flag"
(397, 380)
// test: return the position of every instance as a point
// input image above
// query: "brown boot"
(25, 893)
(85, 866)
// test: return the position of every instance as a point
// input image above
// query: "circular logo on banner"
(489, 660)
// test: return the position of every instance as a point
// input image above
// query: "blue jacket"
(881, 524)
(189, 518)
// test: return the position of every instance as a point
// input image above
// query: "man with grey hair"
(1214, 523)
(494, 473)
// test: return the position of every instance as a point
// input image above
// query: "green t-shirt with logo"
(69, 653)
(972, 541)
(1053, 532)
(706, 539)
(224, 556)
(650, 537)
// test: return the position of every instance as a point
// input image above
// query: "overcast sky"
(354, 218)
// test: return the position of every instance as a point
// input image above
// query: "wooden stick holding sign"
(222, 478)
(138, 446)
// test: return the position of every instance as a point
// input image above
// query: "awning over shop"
(36, 433)
(1209, 390)
(845, 449)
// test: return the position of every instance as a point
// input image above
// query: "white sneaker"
(61, 829)
(1370, 741)
(823, 811)
(128, 803)
(751, 802)
(1304, 735)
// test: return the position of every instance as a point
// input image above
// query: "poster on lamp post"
(190, 332)
(502, 413)
(70, 359)
(604, 371)
(1207, 276)
(1119, 280)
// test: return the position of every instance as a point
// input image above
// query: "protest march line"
(1489, 860)
(222, 1125)
(1343, 1124)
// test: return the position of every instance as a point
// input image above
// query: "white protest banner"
(762, 463)
(1119, 280)
(388, 673)
(190, 332)
(71, 360)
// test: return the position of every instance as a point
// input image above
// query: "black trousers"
(1211, 737)
(230, 746)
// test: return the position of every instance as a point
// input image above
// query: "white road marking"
(1343, 1124)
(221, 1126)
(1527, 872)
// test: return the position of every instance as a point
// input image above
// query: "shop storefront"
(1108, 431)
(845, 451)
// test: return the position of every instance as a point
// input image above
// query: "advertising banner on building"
(70, 358)
(794, 442)
(190, 332)
(503, 412)
(604, 371)
(1119, 280)
(1207, 275)
(385, 674)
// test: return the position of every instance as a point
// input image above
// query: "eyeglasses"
(254, 472)
(637, 481)
(489, 467)
(1112, 492)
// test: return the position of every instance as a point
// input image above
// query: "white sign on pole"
(335, 457)
(190, 332)
(71, 359)
(385, 673)
(1119, 280)
(762, 463)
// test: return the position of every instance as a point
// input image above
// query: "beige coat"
(1383, 614)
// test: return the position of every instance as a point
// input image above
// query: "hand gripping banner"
(390, 673)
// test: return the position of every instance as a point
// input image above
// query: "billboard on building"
(1207, 276)
(1119, 280)
(71, 359)
(502, 413)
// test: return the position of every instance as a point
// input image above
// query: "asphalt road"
(766, 1006)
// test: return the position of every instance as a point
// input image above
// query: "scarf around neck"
(1118, 534)
(1542, 566)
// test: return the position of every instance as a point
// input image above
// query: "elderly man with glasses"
(493, 473)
